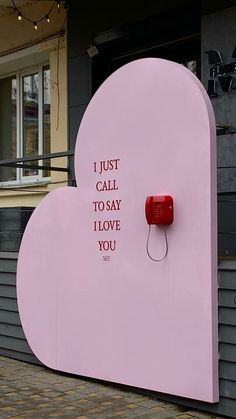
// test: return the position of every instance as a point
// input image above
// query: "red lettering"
(113, 225)
(117, 225)
(105, 165)
(99, 205)
(106, 185)
(113, 205)
(100, 245)
(112, 244)
(116, 163)
(98, 187)
(107, 245)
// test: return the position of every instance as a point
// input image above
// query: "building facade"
(98, 38)
(33, 109)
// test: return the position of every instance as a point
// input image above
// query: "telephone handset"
(159, 209)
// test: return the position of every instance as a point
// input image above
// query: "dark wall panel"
(80, 80)
(12, 339)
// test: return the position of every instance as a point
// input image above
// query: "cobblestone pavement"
(31, 391)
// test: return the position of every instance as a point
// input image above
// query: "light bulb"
(35, 25)
(47, 18)
(19, 16)
(58, 3)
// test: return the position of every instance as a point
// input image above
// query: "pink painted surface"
(115, 314)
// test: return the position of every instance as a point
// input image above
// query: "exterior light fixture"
(21, 16)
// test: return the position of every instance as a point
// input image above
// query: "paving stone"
(62, 386)
(17, 417)
(83, 417)
(200, 415)
(100, 398)
(84, 404)
(51, 393)
(149, 403)
(35, 392)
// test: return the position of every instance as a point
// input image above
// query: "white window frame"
(20, 178)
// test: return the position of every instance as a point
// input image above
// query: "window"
(24, 122)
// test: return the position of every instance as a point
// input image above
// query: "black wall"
(116, 27)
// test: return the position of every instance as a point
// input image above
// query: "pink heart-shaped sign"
(92, 302)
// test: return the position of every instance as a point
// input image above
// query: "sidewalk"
(30, 391)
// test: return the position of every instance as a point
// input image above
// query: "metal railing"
(22, 162)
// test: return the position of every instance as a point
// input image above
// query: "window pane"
(8, 96)
(46, 116)
(30, 120)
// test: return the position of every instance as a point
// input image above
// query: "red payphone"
(159, 209)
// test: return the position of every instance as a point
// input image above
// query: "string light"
(35, 23)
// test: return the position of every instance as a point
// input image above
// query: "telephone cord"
(147, 246)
